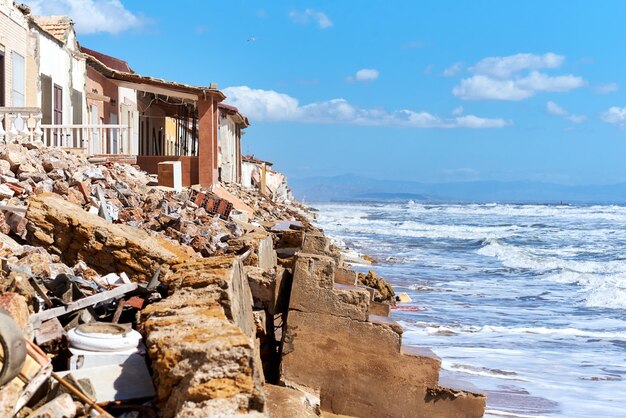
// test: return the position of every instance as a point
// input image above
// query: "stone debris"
(383, 291)
(243, 307)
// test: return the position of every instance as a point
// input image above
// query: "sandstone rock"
(38, 262)
(60, 187)
(76, 235)
(201, 342)
(372, 280)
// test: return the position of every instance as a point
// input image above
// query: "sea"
(525, 302)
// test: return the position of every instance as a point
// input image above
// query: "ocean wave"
(482, 371)
(413, 229)
(431, 329)
(517, 257)
(610, 213)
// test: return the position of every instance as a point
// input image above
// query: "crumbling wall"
(361, 367)
(201, 342)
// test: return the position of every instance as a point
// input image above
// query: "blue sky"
(428, 91)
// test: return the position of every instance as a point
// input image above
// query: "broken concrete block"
(6, 192)
(50, 336)
(263, 287)
(262, 245)
(313, 289)
(315, 244)
(345, 275)
(379, 308)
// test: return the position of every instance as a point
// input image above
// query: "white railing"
(20, 124)
(91, 139)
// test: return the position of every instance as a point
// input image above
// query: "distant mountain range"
(350, 187)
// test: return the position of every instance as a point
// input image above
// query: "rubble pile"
(267, 210)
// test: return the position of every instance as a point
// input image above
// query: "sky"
(429, 91)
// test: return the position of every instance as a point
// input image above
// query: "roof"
(111, 62)
(57, 26)
(146, 81)
(232, 110)
(254, 160)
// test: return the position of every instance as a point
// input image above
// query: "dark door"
(2, 102)
(58, 114)
(58, 105)
(46, 100)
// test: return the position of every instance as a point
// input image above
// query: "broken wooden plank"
(83, 303)
(41, 291)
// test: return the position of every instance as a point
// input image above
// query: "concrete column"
(207, 141)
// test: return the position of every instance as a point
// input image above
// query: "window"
(18, 86)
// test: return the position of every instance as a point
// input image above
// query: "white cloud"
(453, 70)
(364, 75)
(268, 105)
(537, 81)
(303, 17)
(555, 109)
(606, 88)
(504, 67)
(480, 87)
(457, 111)
(616, 115)
(515, 77)
(90, 16)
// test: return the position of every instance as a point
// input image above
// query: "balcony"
(23, 125)
(20, 124)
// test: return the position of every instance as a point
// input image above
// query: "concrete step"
(346, 276)
(420, 365)
(386, 321)
(380, 308)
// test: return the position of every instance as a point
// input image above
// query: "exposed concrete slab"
(262, 245)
